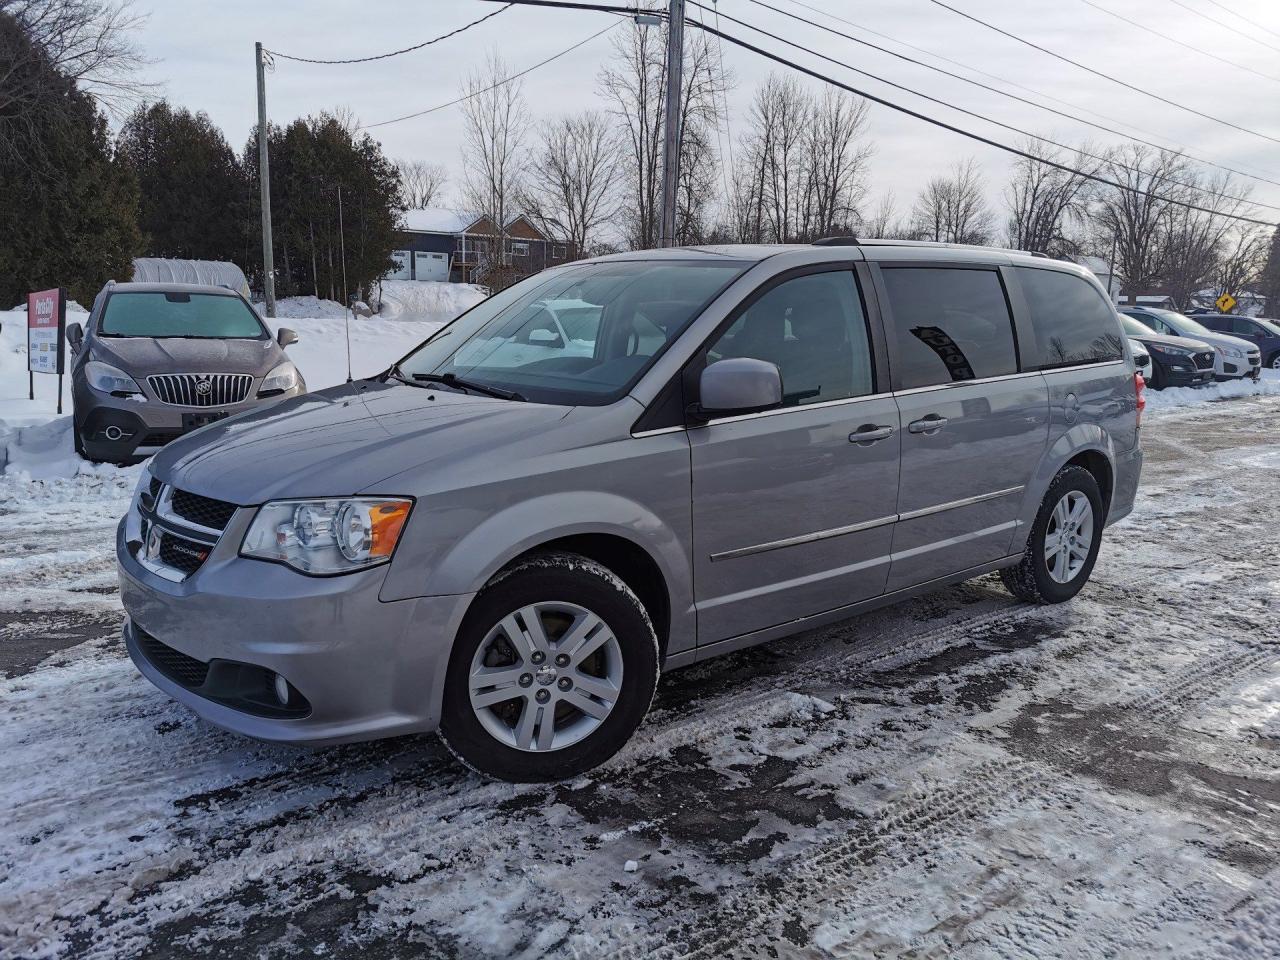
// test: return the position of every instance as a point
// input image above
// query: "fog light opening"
(113, 432)
(282, 690)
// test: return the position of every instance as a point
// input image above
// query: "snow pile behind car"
(1174, 397)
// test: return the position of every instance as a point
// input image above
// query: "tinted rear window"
(950, 325)
(198, 315)
(1073, 322)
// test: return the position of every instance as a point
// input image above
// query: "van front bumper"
(357, 668)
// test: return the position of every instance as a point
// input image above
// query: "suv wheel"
(1064, 541)
(554, 668)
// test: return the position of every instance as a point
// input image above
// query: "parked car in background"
(1262, 332)
(1233, 358)
(1175, 361)
(1141, 359)
(759, 441)
(154, 361)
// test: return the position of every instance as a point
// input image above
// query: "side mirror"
(285, 336)
(75, 336)
(549, 337)
(740, 385)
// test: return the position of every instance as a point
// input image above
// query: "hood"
(1224, 340)
(1160, 340)
(342, 440)
(143, 356)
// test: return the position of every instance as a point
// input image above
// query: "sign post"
(46, 337)
(1225, 303)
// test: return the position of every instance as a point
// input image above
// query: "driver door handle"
(929, 424)
(870, 433)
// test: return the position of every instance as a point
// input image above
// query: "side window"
(949, 325)
(813, 328)
(1072, 321)
(1241, 325)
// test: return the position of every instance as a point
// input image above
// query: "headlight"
(1173, 353)
(327, 536)
(283, 377)
(1230, 351)
(105, 378)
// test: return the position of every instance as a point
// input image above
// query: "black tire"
(541, 578)
(1030, 580)
(1274, 361)
(1157, 376)
(78, 441)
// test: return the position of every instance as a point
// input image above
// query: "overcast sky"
(204, 61)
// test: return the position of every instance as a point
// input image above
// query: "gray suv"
(732, 445)
(157, 360)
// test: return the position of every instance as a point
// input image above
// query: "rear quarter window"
(1073, 323)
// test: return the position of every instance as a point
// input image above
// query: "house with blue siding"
(460, 247)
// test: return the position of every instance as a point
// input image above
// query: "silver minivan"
(735, 444)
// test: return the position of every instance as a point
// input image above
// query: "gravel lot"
(960, 776)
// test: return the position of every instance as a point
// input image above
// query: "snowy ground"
(959, 776)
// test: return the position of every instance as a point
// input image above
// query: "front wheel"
(553, 670)
(1064, 541)
(1274, 362)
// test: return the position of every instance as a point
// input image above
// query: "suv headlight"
(282, 377)
(1230, 352)
(327, 536)
(105, 378)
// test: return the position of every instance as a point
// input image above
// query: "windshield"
(1268, 326)
(1133, 328)
(198, 315)
(1185, 325)
(581, 334)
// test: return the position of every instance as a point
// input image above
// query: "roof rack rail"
(836, 242)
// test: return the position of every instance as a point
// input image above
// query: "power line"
(396, 53)
(967, 112)
(1241, 16)
(776, 58)
(1020, 86)
(1003, 93)
(1225, 26)
(1105, 76)
(1188, 46)
(493, 86)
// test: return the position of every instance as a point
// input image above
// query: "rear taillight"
(1140, 391)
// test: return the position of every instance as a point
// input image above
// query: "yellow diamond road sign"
(1225, 303)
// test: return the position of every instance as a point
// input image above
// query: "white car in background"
(1233, 357)
(1141, 359)
(559, 328)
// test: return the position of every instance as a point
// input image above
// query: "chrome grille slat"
(182, 389)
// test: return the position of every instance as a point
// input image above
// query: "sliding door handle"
(929, 424)
(870, 433)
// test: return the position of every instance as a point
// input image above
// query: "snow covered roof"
(437, 220)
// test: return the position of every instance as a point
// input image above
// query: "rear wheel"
(554, 668)
(1064, 541)
(1274, 362)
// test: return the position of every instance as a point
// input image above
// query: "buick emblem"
(203, 386)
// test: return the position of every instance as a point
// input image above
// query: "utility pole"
(671, 126)
(264, 182)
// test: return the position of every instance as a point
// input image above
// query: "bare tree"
(951, 209)
(633, 83)
(1242, 260)
(571, 190)
(421, 182)
(90, 41)
(882, 223)
(836, 156)
(1199, 240)
(1046, 202)
(495, 125)
(1137, 217)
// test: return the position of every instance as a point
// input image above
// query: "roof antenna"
(346, 317)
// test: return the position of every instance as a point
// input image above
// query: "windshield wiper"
(453, 380)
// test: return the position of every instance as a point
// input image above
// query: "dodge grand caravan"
(759, 440)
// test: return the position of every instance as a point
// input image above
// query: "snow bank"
(1174, 397)
(426, 300)
(304, 307)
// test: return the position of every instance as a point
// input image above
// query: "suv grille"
(175, 665)
(205, 511)
(1204, 361)
(201, 389)
(182, 554)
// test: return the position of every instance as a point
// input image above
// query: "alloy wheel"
(546, 676)
(1068, 537)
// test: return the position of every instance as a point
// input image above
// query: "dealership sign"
(46, 329)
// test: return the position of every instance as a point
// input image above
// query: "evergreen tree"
(193, 194)
(310, 160)
(1269, 283)
(68, 209)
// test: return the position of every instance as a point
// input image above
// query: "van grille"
(202, 511)
(201, 389)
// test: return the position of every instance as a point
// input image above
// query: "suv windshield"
(172, 314)
(1133, 328)
(1184, 323)
(581, 334)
